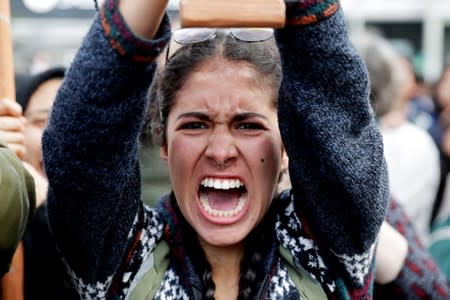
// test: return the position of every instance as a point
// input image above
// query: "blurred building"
(49, 31)
(420, 28)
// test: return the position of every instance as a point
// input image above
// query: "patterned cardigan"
(330, 219)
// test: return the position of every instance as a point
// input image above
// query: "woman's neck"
(225, 266)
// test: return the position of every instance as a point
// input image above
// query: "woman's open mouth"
(224, 198)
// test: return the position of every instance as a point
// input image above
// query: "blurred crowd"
(414, 118)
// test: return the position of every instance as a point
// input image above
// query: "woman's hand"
(12, 126)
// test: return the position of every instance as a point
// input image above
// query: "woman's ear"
(284, 181)
(284, 161)
(163, 152)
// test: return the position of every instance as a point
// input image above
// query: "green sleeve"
(17, 204)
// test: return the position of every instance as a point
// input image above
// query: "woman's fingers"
(12, 126)
(9, 107)
(8, 123)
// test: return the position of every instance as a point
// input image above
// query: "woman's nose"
(221, 146)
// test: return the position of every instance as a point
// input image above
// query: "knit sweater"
(330, 219)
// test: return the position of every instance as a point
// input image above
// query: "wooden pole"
(11, 284)
(7, 85)
(232, 13)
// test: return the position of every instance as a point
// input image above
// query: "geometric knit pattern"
(357, 265)
(304, 250)
(95, 291)
(149, 231)
(419, 278)
(140, 252)
(281, 284)
(171, 287)
(148, 237)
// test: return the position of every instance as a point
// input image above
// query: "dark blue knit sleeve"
(91, 146)
(335, 149)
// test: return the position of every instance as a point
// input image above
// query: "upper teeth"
(224, 184)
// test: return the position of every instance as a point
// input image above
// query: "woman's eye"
(40, 123)
(249, 126)
(193, 125)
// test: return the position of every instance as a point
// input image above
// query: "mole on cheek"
(262, 160)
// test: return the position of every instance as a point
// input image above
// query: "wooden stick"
(232, 13)
(12, 283)
(7, 85)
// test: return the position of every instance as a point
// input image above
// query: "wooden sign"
(232, 13)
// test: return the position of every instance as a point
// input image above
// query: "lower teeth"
(222, 213)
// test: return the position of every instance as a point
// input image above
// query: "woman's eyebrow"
(248, 115)
(194, 114)
(236, 118)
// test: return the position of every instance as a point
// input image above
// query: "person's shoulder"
(17, 203)
(411, 135)
(7, 155)
(14, 175)
(422, 138)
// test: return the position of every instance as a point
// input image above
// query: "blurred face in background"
(37, 114)
(442, 89)
(444, 122)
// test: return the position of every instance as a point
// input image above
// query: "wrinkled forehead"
(222, 84)
(219, 71)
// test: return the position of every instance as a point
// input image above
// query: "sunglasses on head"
(184, 36)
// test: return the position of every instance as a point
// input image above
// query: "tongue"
(223, 199)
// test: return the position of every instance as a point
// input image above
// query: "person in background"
(420, 275)
(442, 100)
(440, 229)
(440, 243)
(17, 199)
(17, 203)
(440, 90)
(411, 154)
(422, 109)
(36, 95)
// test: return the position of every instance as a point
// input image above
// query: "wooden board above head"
(232, 13)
